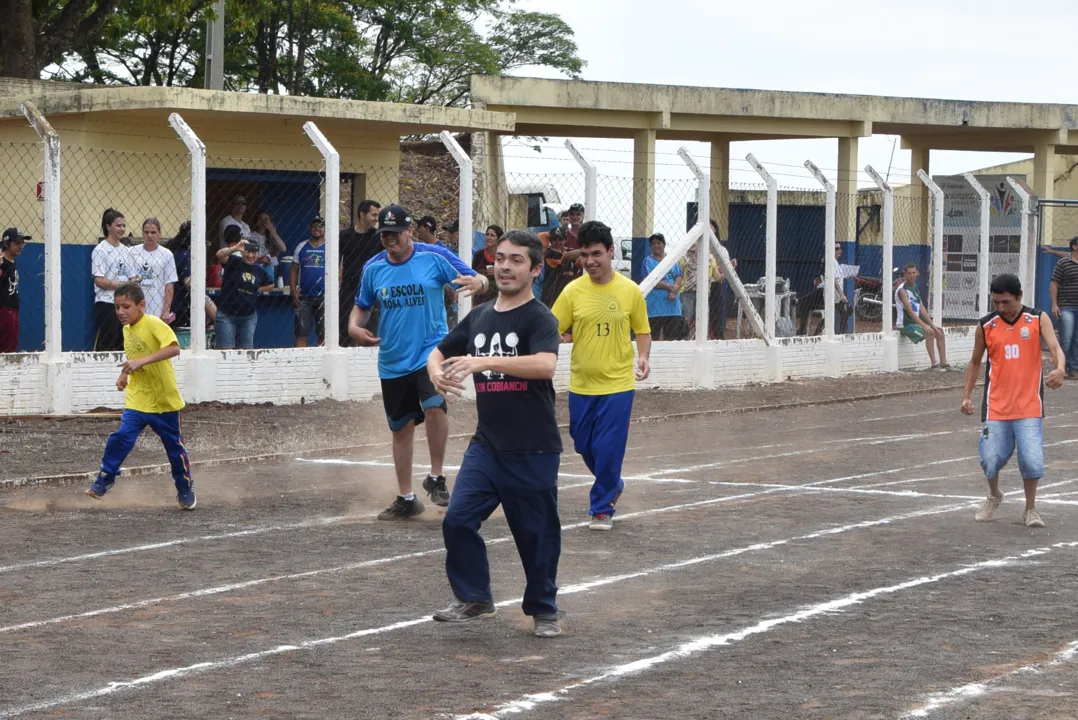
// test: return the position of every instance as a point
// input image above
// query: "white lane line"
(381, 464)
(172, 673)
(934, 701)
(838, 441)
(708, 642)
(853, 442)
(897, 493)
(218, 590)
(320, 522)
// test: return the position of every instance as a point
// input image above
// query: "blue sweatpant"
(526, 485)
(599, 426)
(167, 427)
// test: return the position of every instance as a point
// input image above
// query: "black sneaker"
(401, 509)
(461, 612)
(437, 490)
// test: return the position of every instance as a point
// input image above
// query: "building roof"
(67, 98)
(572, 107)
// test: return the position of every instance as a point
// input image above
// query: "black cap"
(316, 220)
(453, 226)
(657, 236)
(13, 234)
(428, 222)
(250, 246)
(393, 218)
(232, 234)
(576, 207)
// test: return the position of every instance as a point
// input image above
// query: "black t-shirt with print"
(239, 288)
(9, 284)
(515, 415)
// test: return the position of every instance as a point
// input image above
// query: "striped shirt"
(1065, 275)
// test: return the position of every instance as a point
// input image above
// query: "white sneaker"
(1032, 519)
(988, 508)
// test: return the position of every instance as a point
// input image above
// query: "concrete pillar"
(720, 185)
(1044, 186)
(643, 183)
(922, 199)
(846, 191)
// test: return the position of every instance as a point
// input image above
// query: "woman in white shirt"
(112, 266)
(157, 268)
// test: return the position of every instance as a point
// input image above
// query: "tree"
(416, 51)
(36, 33)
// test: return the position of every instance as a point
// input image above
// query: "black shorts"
(408, 398)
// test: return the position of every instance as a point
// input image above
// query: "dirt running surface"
(41, 447)
(813, 562)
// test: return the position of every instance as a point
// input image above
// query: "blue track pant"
(526, 486)
(599, 426)
(167, 427)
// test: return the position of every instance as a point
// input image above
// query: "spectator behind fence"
(358, 244)
(237, 210)
(688, 287)
(1063, 290)
(157, 268)
(814, 300)
(562, 266)
(270, 244)
(483, 263)
(11, 246)
(111, 266)
(721, 299)
(913, 319)
(452, 236)
(425, 229)
(576, 219)
(180, 245)
(664, 303)
(237, 314)
(308, 284)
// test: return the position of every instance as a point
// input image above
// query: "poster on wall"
(962, 240)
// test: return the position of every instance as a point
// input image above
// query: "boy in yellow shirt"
(601, 307)
(151, 396)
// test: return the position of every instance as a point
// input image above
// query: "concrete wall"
(291, 376)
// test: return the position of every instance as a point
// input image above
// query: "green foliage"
(417, 51)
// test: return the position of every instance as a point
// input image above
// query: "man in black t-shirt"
(510, 347)
(10, 248)
(358, 244)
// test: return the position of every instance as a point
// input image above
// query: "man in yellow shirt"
(600, 308)
(151, 396)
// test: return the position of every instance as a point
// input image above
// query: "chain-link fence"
(22, 270)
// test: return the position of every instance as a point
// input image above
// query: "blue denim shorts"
(999, 439)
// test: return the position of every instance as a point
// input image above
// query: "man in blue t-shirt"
(406, 281)
(664, 302)
(307, 284)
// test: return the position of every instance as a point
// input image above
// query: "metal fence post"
(336, 361)
(591, 182)
(58, 395)
(703, 368)
(201, 366)
(1023, 244)
(890, 343)
(828, 253)
(986, 228)
(464, 219)
(937, 247)
(771, 247)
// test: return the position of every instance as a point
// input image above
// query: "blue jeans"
(526, 486)
(167, 427)
(599, 426)
(235, 331)
(998, 441)
(1068, 336)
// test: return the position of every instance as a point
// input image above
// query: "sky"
(954, 49)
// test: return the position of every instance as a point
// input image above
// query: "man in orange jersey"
(1013, 406)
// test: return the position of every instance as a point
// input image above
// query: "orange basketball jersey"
(1013, 385)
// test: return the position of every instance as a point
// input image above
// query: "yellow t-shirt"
(151, 389)
(601, 317)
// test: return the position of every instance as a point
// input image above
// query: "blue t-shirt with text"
(312, 269)
(411, 301)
